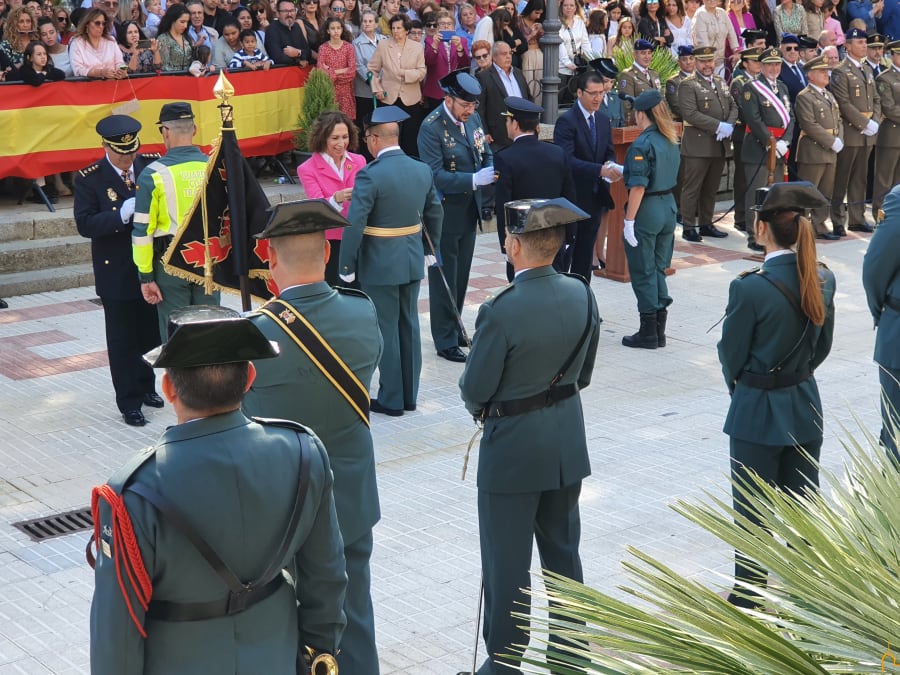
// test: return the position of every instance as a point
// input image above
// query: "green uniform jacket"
(819, 119)
(453, 159)
(234, 481)
(703, 106)
(291, 387)
(761, 328)
(633, 81)
(652, 162)
(739, 78)
(856, 94)
(390, 261)
(889, 91)
(672, 93)
(881, 279)
(758, 114)
(523, 336)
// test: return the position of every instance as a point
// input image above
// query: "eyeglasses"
(466, 105)
(593, 94)
(479, 57)
(789, 48)
(62, 18)
(368, 136)
(338, 10)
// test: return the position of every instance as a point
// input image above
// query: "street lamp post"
(550, 81)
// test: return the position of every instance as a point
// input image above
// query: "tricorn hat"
(528, 215)
(301, 217)
(120, 133)
(605, 67)
(386, 114)
(460, 84)
(209, 335)
(795, 196)
(522, 109)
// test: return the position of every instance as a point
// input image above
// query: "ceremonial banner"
(49, 129)
(215, 246)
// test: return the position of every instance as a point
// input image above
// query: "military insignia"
(111, 194)
(105, 548)
(670, 88)
(747, 96)
(881, 87)
(623, 83)
(287, 316)
(638, 158)
(747, 273)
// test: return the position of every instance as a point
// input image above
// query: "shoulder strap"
(305, 336)
(785, 291)
(584, 334)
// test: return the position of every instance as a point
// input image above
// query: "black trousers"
(132, 330)
(409, 130)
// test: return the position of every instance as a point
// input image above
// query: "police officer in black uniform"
(104, 209)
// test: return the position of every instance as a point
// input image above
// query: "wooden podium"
(616, 264)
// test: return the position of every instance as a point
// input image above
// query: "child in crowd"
(154, 14)
(201, 65)
(37, 67)
(249, 55)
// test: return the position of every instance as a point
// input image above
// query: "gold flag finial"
(223, 89)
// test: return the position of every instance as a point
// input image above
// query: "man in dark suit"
(585, 136)
(533, 454)
(306, 387)
(795, 80)
(393, 200)
(498, 82)
(104, 210)
(528, 169)
(284, 39)
(453, 143)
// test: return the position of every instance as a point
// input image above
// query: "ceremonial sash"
(772, 97)
(321, 354)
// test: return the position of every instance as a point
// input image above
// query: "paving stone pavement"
(654, 421)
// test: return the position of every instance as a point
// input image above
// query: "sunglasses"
(338, 10)
(790, 48)
(479, 57)
(430, 25)
(62, 18)
(98, 23)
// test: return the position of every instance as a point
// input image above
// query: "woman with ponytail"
(778, 329)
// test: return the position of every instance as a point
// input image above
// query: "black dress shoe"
(740, 227)
(461, 342)
(487, 214)
(154, 400)
(134, 418)
(865, 227)
(376, 407)
(839, 230)
(691, 234)
(712, 231)
(454, 354)
(753, 246)
(3, 304)
(409, 407)
(827, 236)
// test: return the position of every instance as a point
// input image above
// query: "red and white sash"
(776, 102)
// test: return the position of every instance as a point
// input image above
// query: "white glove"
(127, 210)
(781, 148)
(430, 260)
(629, 234)
(871, 128)
(838, 145)
(348, 278)
(483, 177)
(724, 131)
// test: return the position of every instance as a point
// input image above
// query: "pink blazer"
(321, 182)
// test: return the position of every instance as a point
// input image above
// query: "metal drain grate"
(57, 525)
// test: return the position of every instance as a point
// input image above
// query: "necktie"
(462, 128)
(127, 180)
(593, 128)
(799, 75)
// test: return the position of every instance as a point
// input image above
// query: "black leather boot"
(645, 338)
(661, 316)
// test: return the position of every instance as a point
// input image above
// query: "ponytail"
(789, 228)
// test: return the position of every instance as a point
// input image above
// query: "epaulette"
(89, 169)
(151, 155)
(575, 276)
(747, 273)
(286, 424)
(355, 292)
(823, 265)
(433, 115)
(120, 478)
(503, 290)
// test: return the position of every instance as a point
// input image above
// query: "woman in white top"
(679, 26)
(575, 44)
(596, 28)
(712, 28)
(93, 52)
(57, 51)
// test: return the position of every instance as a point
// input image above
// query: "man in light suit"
(497, 83)
(296, 387)
(533, 454)
(586, 137)
(393, 199)
(453, 143)
(881, 279)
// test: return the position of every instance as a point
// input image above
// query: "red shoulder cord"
(123, 541)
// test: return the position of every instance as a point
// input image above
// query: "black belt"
(659, 193)
(773, 380)
(235, 603)
(520, 406)
(160, 244)
(893, 303)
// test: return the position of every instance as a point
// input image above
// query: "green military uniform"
(530, 465)
(394, 193)
(672, 93)
(292, 387)
(652, 162)
(739, 79)
(881, 279)
(762, 117)
(819, 119)
(165, 193)
(704, 104)
(887, 154)
(853, 86)
(633, 81)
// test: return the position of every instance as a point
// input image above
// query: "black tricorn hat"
(806, 42)
(301, 217)
(605, 67)
(209, 335)
(460, 84)
(795, 196)
(528, 215)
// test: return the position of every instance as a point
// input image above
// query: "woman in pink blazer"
(442, 57)
(330, 173)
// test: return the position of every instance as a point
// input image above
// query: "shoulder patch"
(623, 83)
(89, 169)
(670, 86)
(433, 115)
(151, 155)
(747, 273)
(747, 95)
(835, 75)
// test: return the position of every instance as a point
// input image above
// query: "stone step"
(43, 280)
(44, 253)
